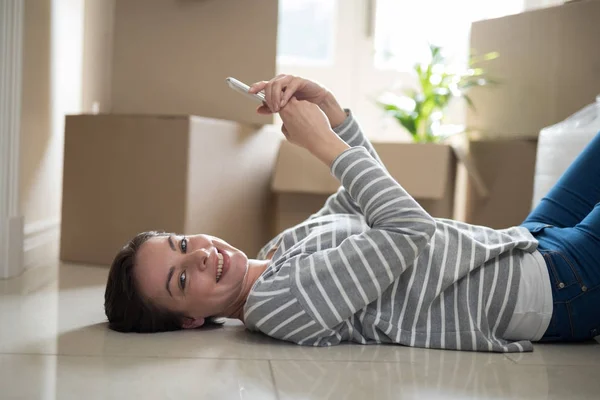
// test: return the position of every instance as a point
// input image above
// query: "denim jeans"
(567, 225)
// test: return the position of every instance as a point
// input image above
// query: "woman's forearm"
(328, 151)
(334, 111)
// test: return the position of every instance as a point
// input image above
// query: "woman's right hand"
(279, 90)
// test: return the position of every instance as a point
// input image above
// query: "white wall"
(97, 55)
(52, 71)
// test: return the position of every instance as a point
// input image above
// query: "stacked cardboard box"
(548, 69)
(302, 183)
(128, 174)
(172, 56)
(150, 163)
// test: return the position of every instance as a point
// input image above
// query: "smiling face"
(182, 274)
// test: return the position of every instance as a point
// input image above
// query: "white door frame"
(11, 60)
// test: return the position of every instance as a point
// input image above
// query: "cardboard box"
(172, 56)
(506, 168)
(185, 174)
(302, 183)
(548, 67)
(548, 70)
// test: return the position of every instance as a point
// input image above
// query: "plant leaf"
(469, 102)
(407, 121)
(491, 56)
(476, 59)
(388, 107)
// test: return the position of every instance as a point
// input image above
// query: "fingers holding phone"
(277, 93)
(279, 90)
(306, 125)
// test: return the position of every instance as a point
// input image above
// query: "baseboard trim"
(11, 247)
(40, 244)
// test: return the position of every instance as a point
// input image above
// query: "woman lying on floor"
(372, 266)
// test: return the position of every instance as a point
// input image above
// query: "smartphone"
(243, 89)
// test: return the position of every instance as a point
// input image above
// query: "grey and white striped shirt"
(373, 267)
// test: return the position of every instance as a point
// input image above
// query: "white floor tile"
(55, 343)
(582, 354)
(434, 380)
(66, 377)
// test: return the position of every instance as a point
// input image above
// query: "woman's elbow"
(430, 226)
(424, 231)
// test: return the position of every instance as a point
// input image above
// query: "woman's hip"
(574, 272)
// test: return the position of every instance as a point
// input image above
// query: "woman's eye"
(182, 279)
(183, 244)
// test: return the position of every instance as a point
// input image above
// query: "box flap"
(422, 169)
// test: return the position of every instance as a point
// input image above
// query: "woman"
(372, 266)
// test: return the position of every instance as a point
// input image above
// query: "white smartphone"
(243, 89)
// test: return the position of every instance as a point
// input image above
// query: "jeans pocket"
(584, 315)
(541, 228)
(562, 272)
(535, 227)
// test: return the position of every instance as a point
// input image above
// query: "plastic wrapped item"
(560, 144)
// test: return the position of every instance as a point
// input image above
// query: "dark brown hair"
(126, 309)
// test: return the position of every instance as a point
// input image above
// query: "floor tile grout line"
(277, 396)
(269, 360)
(202, 358)
(249, 359)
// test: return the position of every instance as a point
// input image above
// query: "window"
(403, 28)
(306, 32)
(330, 41)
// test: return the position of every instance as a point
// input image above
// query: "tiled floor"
(54, 343)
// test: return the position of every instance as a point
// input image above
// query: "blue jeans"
(567, 225)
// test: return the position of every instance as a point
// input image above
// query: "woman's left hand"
(305, 125)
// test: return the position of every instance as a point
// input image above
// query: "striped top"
(373, 267)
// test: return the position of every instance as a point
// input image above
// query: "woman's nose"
(199, 258)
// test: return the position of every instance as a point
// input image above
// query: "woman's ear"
(192, 323)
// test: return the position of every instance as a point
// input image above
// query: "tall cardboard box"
(124, 174)
(549, 69)
(301, 183)
(172, 56)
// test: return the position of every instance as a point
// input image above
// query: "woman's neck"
(255, 270)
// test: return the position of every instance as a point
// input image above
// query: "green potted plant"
(421, 111)
(427, 166)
